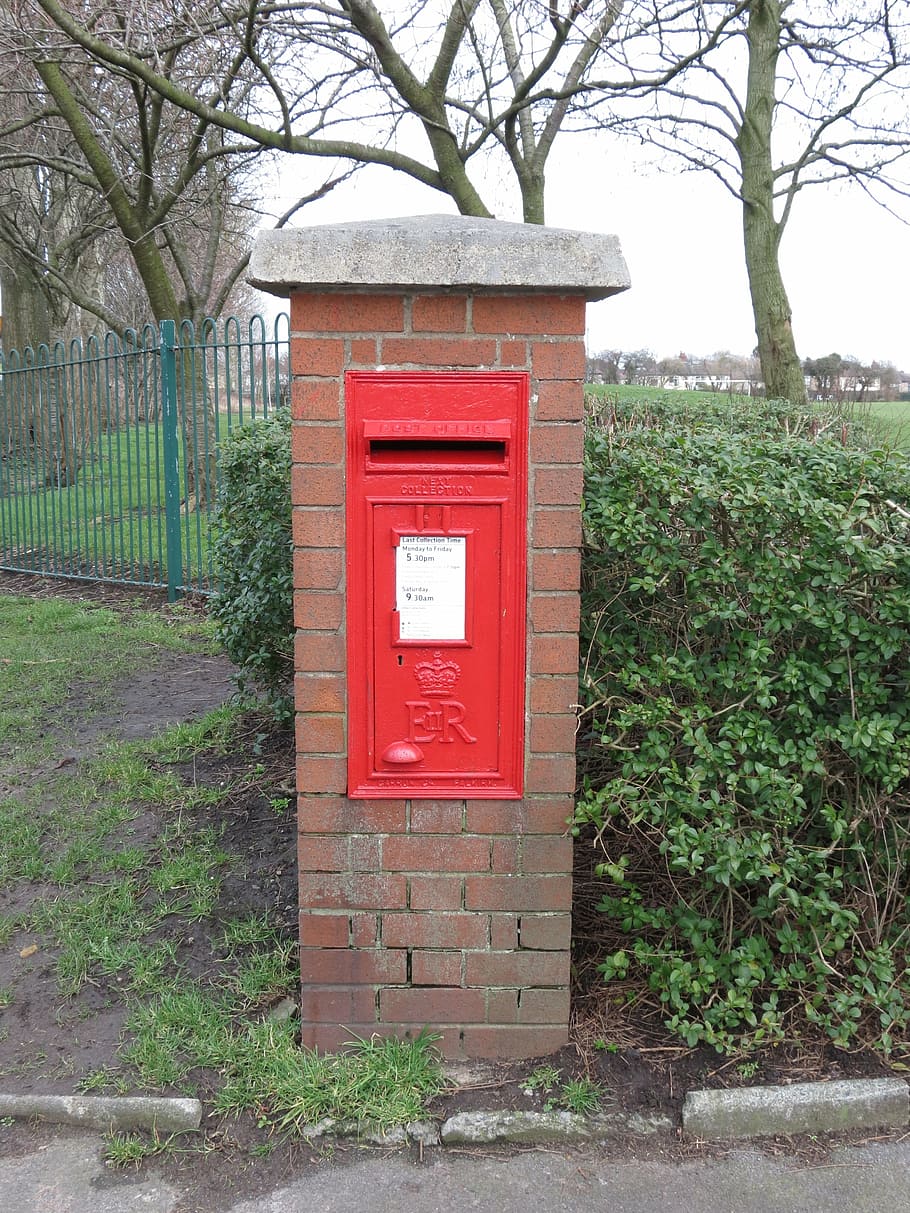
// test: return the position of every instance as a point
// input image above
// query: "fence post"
(174, 553)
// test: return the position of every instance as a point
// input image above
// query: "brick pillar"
(454, 914)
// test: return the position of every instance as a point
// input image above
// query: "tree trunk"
(777, 354)
(26, 319)
(198, 417)
(28, 409)
(532, 197)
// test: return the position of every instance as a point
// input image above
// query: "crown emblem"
(437, 677)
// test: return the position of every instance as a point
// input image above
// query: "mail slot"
(436, 574)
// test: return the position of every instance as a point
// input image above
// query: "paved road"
(63, 1174)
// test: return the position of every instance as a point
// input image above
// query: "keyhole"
(400, 659)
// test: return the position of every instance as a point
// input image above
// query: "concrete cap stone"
(448, 252)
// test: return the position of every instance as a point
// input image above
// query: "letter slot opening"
(472, 453)
(428, 446)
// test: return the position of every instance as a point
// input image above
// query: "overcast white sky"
(846, 261)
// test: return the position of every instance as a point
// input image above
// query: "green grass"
(50, 645)
(112, 516)
(889, 420)
(579, 1095)
(112, 909)
(111, 521)
(630, 392)
(376, 1082)
(881, 422)
(132, 1149)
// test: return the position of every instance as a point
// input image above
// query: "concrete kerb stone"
(485, 1128)
(815, 1107)
(106, 1112)
(722, 1114)
(741, 1113)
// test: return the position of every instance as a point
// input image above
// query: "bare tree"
(771, 97)
(425, 91)
(113, 198)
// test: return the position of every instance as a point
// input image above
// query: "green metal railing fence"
(108, 448)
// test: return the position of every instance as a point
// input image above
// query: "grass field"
(111, 523)
(885, 423)
(890, 418)
(148, 913)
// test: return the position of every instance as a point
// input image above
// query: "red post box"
(436, 569)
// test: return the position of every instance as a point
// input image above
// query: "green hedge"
(253, 606)
(745, 742)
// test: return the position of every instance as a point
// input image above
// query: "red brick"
(556, 528)
(503, 932)
(363, 351)
(451, 930)
(324, 652)
(330, 853)
(555, 612)
(558, 359)
(436, 853)
(346, 313)
(438, 351)
(512, 1043)
(317, 355)
(553, 734)
(562, 486)
(315, 400)
(318, 568)
(316, 773)
(331, 814)
(330, 1036)
(562, 315)
(545, 1006)
(353, 966)
(317, 484)
(548, 775)
(432, 1006)
(546, 816)
(559, 570)
(436, 892)
(317, 527)
(504, 858)
(320, 734)
(502, 1006)
(353, 891)
(437, 816)
(436, 969)
(319, 692)
(560, 400)
(318, 611)
(514, 354)
(364, 930)
(557, 442)
(324, 930)
(323, 853)
(516, 969)
(338, 1005)
(546, 931)
(556, 693)
(546, 854)
(439, 314)
(518, 893)
(366, 853)
(319, 444)
(553, 653)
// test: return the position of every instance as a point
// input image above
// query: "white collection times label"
(430, 575)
